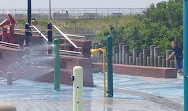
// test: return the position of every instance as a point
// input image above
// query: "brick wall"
(146, 71)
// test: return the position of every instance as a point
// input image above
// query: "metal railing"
(10, 45)
(67, 52)
(65, 36)
(73, 12)
(40, 32)
(75, 36)
(70, 53)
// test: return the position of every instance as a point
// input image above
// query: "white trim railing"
(40, 32)
(10, 45)
(65, 36)
(75, 36)
(70, 53)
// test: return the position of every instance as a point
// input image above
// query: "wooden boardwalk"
(90, 105)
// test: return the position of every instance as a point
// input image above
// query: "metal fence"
(72, 12)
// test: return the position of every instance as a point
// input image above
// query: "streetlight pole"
(50, 9)
(29, 12)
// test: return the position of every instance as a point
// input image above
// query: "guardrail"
(10, 45)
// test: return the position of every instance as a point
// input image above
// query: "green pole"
(109, 67)
(56, 65)
(185, 53)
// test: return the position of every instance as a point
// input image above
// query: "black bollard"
(50, 34)
(27, 34)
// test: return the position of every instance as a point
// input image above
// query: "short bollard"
(9, 78)
(7, 107)
(77, 79)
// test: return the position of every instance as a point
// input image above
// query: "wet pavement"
(131, 93)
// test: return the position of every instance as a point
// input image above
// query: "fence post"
(141, 59)
(120, 52)
(130, 60)
(135, 54)
(164, 62)
(115, 51)
(159, 61)
(125, 49)
(127, 58)
(137, 61)
(168, 52)
(152, 55)
(146, 53)
(157, 52)
(172, 63)
(148, 61)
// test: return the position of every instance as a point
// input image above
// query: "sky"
(12, 4)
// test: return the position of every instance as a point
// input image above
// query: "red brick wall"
(67, 63)
(156, 72)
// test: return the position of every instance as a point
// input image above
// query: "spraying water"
(34, 64)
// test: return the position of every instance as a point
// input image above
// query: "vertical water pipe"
(56, 66)
(109, 67)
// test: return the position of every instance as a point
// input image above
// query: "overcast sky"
(79, 3)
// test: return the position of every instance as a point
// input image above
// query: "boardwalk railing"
(73, 12)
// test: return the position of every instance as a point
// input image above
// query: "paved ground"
(130, 94)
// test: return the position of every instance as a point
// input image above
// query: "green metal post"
(185, 53)
(56, 65)
(109, 67)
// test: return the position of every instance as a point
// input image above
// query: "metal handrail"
(40, 32)
(78, 36)
(65, 36)
(10, 45)
(66, 52)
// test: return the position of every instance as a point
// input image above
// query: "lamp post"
(50, 9)
(94, 53)
(29, 12)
